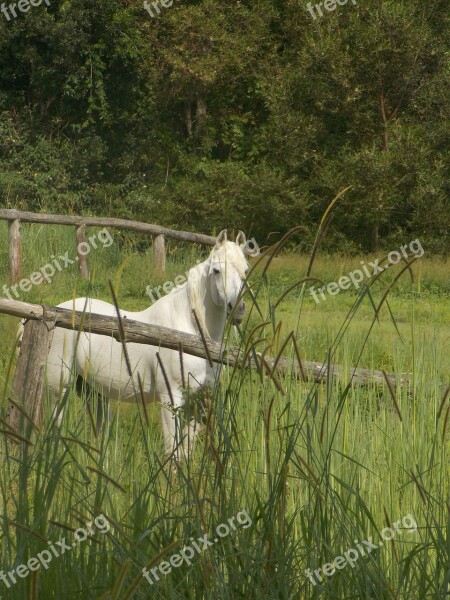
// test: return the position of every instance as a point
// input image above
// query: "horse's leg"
(102, 415)
(179, 429)
(196, 411)
(192, 426)
(176, 433)
(59, 392)
(172, 427)
(60, 370)
(58, 410)
(94, 399)
(192, 431)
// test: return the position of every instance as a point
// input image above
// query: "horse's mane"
(195, 292)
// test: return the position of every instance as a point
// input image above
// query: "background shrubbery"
(241, 114)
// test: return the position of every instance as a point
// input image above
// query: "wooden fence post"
(14, 249)
(82, 251)
(159, 252)
(29, 378)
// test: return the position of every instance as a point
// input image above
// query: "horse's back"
(90, 305)
(97, 358)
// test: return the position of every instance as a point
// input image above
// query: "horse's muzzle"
(238, 314)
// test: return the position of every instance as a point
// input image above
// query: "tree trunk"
(200, 117)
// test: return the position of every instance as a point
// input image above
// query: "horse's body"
(212, 290)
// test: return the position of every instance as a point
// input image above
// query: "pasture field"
(318, 468)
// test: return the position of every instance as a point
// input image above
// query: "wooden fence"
(29, 377)
(159, 235)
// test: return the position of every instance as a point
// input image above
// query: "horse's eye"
(216, 271)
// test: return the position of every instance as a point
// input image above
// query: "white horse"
(212, 289)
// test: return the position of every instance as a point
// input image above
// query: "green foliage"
(245, 114)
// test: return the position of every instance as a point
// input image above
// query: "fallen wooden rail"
(28, 383)
(142, 333)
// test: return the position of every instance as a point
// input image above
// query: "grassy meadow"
(317, 467)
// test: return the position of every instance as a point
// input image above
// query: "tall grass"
(318, 467)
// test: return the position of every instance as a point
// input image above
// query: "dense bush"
(241, 114)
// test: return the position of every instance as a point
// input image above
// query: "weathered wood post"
(82, 251)
(14, 249)
(159, 252)
(29, 378)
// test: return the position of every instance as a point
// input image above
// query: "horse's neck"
(212, 318)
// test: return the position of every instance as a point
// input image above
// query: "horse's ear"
(221, 238)
(241, 240)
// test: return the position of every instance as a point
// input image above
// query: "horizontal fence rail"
(28, 383)
(154, 335)
(30, 217)
(158, 233)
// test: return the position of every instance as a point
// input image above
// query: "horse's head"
(227, 270)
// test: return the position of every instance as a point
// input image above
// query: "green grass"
(315, 466)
